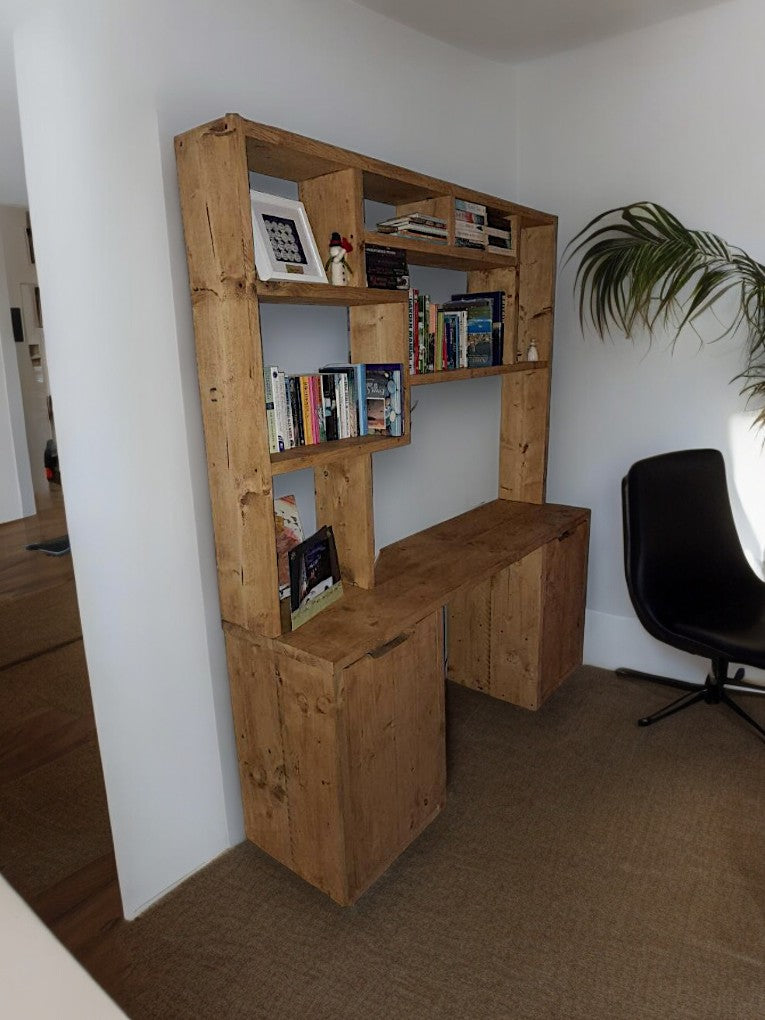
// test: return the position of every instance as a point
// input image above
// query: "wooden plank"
(254, 681)
(564, 581)
(334, 202)
(286, 292)
(536, 289)
(506, 280)
(212, 172)
(41, 738)
(309, 718)
(394, 724)
(469, 636)
(338, 449)
(444, 256)
(455, 374)
(516, 620)
(343, 491)
(523, 436)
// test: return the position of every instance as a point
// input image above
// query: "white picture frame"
(285, 248)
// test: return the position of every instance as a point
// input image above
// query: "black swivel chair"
(687, 576)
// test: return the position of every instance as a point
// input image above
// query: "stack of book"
(466, 332)
(387, 268)
(469, 224)
(337, 402)
(499, 238)
(416, 225)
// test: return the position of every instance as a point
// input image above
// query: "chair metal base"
(713, 692)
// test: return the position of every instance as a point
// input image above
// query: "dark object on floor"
(50, 460)
(53, 546)
(687, 576)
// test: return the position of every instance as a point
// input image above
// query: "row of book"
(466, 332)
(477, 227)
(416, 225)
(337, 402)
(387, 268)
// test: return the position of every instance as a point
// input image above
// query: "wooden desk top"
(421, 573)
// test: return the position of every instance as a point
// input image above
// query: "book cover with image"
(314, 576)
(383, 388)
(289, 533)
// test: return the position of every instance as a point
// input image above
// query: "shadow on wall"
(747, 485)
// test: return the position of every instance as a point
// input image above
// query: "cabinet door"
(396, 759)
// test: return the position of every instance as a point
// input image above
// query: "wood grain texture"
(396, 752)
(343, 490)
(334, 202)
(523, 436)
(441, 256)
(455, 374)
(564, 579)
(536, 289)
(212, 172)
(287, 292)
(260, 747)
(337, 449)
(379, 334)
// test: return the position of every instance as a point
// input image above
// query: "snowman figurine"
(337, 264)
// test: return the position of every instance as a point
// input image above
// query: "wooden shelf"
(297, 293)
(454, 375)
(323, 453)
(423, 572)
(443, 256)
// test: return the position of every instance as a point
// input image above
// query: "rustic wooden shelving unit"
(340, 725)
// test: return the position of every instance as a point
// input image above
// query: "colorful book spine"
(273, 443)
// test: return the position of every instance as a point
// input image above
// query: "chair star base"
(713, 692)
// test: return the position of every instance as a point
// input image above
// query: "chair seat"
(735, 632)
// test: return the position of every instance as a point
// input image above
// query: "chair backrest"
(681, 547)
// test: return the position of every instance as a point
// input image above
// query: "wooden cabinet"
(518, 635)
(340, 724)
(340, 769)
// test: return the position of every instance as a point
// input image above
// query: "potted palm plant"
(641, 268)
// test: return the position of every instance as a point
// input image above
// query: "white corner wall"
(669, 114)
(103, 89)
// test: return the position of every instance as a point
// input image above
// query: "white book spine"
(273, 445)
(279, 408)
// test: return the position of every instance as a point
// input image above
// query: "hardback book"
(383, 399)
(473, 207)
(355, 387)
(479, 338)
(498, 300)
(315, 581)
(289, 533)
(273, 443)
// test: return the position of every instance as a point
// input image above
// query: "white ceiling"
(515, 30)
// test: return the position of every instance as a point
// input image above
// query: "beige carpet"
(582, 868)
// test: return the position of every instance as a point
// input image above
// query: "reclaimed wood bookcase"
(340, 724)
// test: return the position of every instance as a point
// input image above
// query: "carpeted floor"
(582, 868)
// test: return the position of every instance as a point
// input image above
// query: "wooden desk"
(340, 724)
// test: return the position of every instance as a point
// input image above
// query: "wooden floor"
(56, 845)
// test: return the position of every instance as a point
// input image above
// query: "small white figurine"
(337, 264)
(532, 354)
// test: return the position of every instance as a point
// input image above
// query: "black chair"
(687, 576)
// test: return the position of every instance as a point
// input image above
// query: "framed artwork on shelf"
(285, 248)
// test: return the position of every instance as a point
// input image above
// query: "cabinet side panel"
(523, 436)
(343, 491)
(334, 202)
(262, 772)
(309, 719)
(516, 608)
(396, 758)
(564, 580)
(212, 172)
(469, 637)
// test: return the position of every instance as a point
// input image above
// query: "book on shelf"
(289, 533)
(383, 399)
(387, 268)
(466, 332)
(469, 224)
(418, 226)
(315, 581)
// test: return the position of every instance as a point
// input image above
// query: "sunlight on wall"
(747, 485)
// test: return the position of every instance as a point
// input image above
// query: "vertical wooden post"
(212, 170)
(344, 499)
(335, 202)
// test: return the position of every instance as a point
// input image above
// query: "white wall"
(102, 92)
(669, 114)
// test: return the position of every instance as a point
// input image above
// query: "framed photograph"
(285, 248)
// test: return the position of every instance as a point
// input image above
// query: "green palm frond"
(640, 268)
